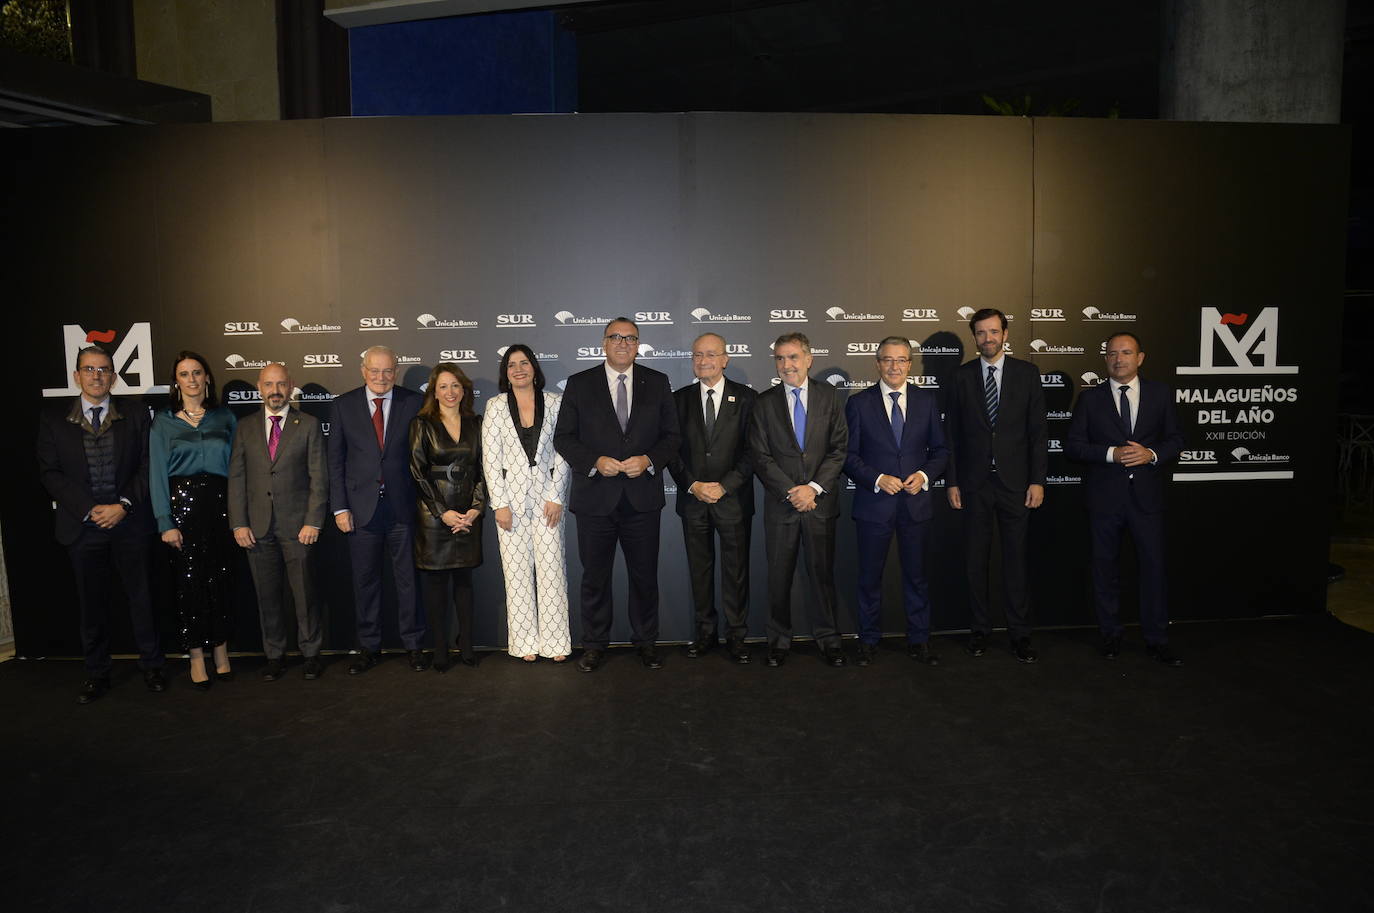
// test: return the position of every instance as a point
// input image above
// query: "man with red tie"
(278, 495)
(373, 496)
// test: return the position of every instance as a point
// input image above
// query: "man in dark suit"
(373, 496)
(93, 460)
(1125, 431)
(999, 452)
(798, 436)
(278, 493)
(715, 480)
(896, 449)
(618, 430)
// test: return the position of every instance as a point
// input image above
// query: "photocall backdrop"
(304, 242)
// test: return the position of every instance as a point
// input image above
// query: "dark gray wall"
(358, 227)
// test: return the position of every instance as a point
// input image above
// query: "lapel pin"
(729, 399)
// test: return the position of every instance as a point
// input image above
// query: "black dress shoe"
(649, 657)
(1023, 651)
(1110, 648)
(442, 665)
(1160, 653)
(833, 656)
(313, 668)
(977, 643)
(739, 652)
(700, 647)
(202, 686)
(591, 660)
(92, 689)
(418, 661)
(923, 654)
(867, 653)
(274, 670)
(468, 660)
(365, 660)
(154, 681)
(776, 658)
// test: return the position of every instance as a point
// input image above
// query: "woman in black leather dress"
(446, 461)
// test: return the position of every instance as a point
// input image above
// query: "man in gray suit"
(278, 493)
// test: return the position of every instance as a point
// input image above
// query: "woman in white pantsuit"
(527, 486)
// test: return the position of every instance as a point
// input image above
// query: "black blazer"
(448, 475)
(355, 461)
(873, 452)
(780, 464)
(588, 429)
(725, 458)
(64, 473)
(1097, 425)
(1020, 441)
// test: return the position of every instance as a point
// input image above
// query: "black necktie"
(710, 412)
(95, 417)
(1126, 408)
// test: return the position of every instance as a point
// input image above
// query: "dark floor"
(1239, 782)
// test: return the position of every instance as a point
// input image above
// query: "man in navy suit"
(999, 456)
(618, 430)
(896, 449)
(373, 496)
(1125, 431)
(93, 460)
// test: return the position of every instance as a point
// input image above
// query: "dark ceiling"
(867, 55)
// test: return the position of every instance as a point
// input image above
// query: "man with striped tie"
(998, 438)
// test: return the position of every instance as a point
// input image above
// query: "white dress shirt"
(887, 410)
(267, 421)
(791, 403)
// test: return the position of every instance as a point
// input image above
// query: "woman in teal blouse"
(188, 469)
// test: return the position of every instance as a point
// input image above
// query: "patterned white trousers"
(532, 559)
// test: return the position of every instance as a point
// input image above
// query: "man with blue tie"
(896, 449)
(798, 437)
(1125, 431)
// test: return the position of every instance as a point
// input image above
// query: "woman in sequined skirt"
(188, 468)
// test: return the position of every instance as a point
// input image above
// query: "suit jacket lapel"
(978, 395)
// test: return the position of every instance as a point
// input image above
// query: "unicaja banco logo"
(1238, 344)
(237, 362)
(1090, 379)
(430, 322)
(840, 315)
(569, 319)
(1092, 313)
(292, 325)
(1044, 348)
(703, 315)
(133, 359)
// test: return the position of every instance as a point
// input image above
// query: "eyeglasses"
(95, 370)
(894, 362)
(621, 339)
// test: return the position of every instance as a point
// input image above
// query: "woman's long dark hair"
(174, 392)
(430, 407)
(502, 378)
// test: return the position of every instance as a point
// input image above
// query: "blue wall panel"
(503, 63)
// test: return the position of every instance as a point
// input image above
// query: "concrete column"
(1259, 61)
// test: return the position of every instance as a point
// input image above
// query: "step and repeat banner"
(449, 239)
